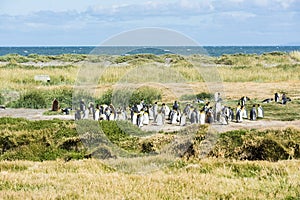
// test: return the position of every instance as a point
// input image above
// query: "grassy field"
(57, 159)
(205, 179)
(279, 72)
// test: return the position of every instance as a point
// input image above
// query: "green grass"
(52, 139)
(271, 145)
(272, 111)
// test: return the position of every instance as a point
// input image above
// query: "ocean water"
(122, 50)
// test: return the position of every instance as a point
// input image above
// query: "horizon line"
(244, 45)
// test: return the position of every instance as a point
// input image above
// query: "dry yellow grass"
(206, 179)
(260, 74)
(295, 55)
(21, 78)
(252, 80)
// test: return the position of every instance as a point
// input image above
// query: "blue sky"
(90, 22)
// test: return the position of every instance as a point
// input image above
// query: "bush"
(225, 60)
(106, 98)
(270, 145)
(38, 140)
(204, 95)
(148, 94)
(188, 97)
(32, 99)
(14, 58)
(130, 97)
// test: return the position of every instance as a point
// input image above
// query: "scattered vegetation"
(127, 96)
(17, 74)
(43, 99)
(125, 150)
(270, 145)
(52, 139)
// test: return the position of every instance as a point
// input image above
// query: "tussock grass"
(279, 73)
(295, 55)
(279, 68)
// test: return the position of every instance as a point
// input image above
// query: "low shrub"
(22, 139)
(14, 58)
(204, 95)
(270, 145)
(31, 99)
(130, 97)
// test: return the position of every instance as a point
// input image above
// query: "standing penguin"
(97, 112)
(186, 110)
(193, 118)
(260, 111)
(167, 110)
(183, 119)
(150, 110)
(82, 106)
(159, 119)
(231, 114)
(253, 113)
(244, 112)
(134, 113)
(284, 99)
(155, 110)
(140, 119)
(146, 117)
(202, 117)
(55, 105)
(210, 116)
(276, 97)
(239, 117)
(243, 100)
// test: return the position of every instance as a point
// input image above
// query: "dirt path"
(37, 114)
(31, 114)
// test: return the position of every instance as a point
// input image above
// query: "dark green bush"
(14, 58)
(204, 95)
(32, 99)
(188, 97)
(225, 60)
(38, 140)
(106, 98)
(130, 97)
(148, 94)
(271, 145)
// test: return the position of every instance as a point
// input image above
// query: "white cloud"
(237, 1)
(262, 3)
(198, 6)
(239, 15)
(285, 3)
(189, 16)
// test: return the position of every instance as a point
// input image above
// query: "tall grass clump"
(295, 55)
(126, 97)
(138, 58)
(22, 139)
(270, 145)
(14, 58)
(38, 99)
(31, 99)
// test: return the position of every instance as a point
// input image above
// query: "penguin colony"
(212, 112)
